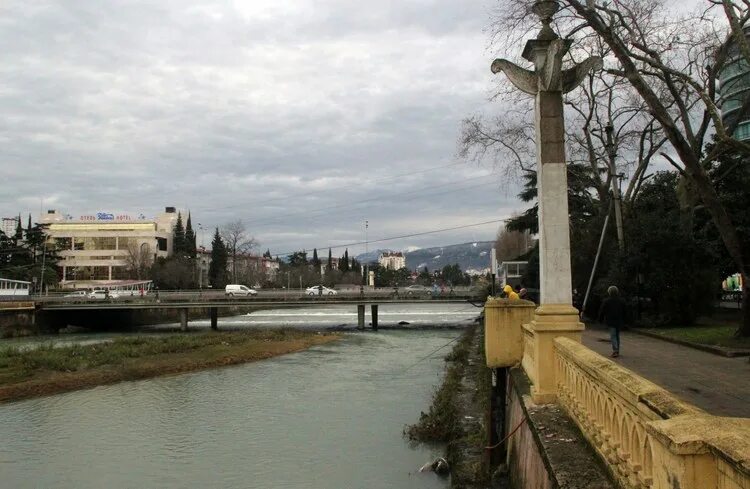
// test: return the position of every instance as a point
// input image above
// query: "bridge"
(183, 301)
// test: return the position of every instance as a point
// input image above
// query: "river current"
(326, 418)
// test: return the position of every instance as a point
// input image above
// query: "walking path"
(718, 385)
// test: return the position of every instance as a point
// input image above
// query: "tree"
(217, 271)
(238, 242)
(344, 261)
(19, 231)
(190, 239)
(178, 237)
(315, 261)
(298, 259)
(329, 266)
(678, 83)
(510, 245)
(267, 254)
(139, 260)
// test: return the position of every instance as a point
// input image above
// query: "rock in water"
(439, 466)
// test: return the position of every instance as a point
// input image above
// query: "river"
(326, 418)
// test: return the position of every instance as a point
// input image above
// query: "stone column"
(547, 82)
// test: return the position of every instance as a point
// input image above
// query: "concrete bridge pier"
(360, 316)
(374, 313)
(183, 319)
(214, 312)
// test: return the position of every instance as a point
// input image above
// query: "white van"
(239, 290)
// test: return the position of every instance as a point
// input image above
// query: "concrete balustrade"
(648, 437)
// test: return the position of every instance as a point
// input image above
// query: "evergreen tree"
(190, 247)
(316, 261)
(28, 226)
(344, 262)
(19, 230)
(267, 254)
(217, 271)
(178, 234)
(329, 266)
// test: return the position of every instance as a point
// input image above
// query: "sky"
(303, 119)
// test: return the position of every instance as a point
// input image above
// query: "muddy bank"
(48, 370)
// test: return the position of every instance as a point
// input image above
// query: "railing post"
(361, 316)
(184, 319)
(214, 318)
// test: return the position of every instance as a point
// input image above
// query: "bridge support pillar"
(374, 312)
(361, 316)
(183, 319)
(214, 311)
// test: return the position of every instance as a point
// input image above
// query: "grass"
(441, 422)
(48, 369)
(715, 335)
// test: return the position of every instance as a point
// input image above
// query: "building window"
(78, 244)
(162, 244)
(123, 243)
(743, 131)
(64, 243)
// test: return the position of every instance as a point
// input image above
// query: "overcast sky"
(285, 114)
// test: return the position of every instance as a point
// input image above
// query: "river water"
(326, 418)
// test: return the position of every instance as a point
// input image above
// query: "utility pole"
(612, 155)
(366, 277)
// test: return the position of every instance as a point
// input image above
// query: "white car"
(80, 294)
(239, 290)
(319, 290)
(103, 294)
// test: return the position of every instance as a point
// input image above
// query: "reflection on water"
(330, 417)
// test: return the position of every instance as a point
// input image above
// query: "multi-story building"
(105, 248)
(734, 88)
(393, 260)
(9, 225)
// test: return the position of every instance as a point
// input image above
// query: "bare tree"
(238, 242)
(139, 259)
(509, 245)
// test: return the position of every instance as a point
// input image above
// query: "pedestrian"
(612, 313)
(523, 293)
(510, 293)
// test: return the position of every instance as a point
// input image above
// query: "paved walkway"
(716, 384)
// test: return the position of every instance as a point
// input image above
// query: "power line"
(264, 220)
(392, 238)
(327, 190)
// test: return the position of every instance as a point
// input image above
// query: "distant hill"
(474, 255)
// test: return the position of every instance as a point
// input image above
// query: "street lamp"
(366, 278)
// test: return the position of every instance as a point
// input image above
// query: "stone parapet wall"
(648, 437)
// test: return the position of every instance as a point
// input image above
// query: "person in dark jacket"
(612, 313)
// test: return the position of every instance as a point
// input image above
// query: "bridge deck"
(263, 303)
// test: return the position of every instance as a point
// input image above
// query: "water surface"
(330, 417)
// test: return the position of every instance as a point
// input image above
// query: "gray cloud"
(284, 114)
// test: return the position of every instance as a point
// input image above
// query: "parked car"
(416, 289)
(320, 290)
(239, 290)
(80, 294)
(103, 294)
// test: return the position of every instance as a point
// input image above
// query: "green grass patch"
(17, 365)
(717, 335)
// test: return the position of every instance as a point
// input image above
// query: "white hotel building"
(101, 249)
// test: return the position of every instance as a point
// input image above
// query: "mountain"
(475, 255)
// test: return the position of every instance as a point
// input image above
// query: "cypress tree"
(190, 246)
(344, 264)
(19, 230)
(28, 226)
(217, 271)
(178, 241)
(329, 267)
(316, 261)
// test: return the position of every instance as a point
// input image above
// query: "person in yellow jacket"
(510, 293)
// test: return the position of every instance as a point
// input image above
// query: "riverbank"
(52, 370)
(458, 413)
